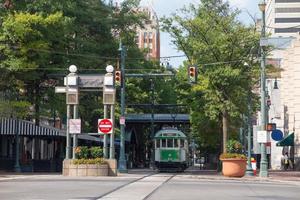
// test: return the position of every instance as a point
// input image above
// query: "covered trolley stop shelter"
(140, 130)
(40, 148)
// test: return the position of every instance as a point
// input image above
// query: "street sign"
(271, 127)
(122, 120)
(105, 126)
(91, 81)
(277, 135)
(262, 136)
(75, 126)
(64, 90)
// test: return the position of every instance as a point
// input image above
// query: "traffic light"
(118, 78)
(192, 74)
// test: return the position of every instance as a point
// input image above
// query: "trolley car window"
(170, 143)
(175, 143)
(157, 143)
(181, 143)
(163, 143)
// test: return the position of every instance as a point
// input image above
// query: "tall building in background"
(148, 37)
(283, 17)
(283, 25)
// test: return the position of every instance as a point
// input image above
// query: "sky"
(249, 10)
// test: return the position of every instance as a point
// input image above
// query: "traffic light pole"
(122, 160)
(264, 162)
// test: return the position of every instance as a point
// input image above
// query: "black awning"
(286, 141)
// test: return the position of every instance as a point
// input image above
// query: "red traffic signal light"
(118, 77)
(192, 74)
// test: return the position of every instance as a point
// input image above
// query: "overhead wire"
(93, 55)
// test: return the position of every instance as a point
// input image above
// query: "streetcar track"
(122, 186)
(160, 186)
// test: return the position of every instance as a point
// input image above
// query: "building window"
(287, 20)
(150, 37)
(287, 10)
(145, 45)
(287, 30)
(145, 37)
(136, 39)
(287, 1)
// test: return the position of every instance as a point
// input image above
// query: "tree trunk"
(225, 130)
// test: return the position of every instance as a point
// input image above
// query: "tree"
(211, 33)
(39, 40)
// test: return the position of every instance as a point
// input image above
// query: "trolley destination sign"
(105, 126)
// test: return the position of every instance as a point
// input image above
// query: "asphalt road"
(197, 189)
(141, 186)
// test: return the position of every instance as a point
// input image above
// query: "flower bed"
(71, 169)
(89, 163)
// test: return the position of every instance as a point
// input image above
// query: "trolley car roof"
(169, 133)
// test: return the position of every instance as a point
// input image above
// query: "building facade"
(283, 26)
(148, 36)
(283, 17)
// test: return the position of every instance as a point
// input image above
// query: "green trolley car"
(171, 150)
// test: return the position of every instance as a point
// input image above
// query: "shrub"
(234, 146)
(96, 152)
(232, 155)
(88, 161)
(234, 150)
(82, 152)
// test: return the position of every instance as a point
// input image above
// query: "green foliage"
(213, 39)
(40, 39)
(234, 150)
(96, 152)
(82, 152)
(98, 161)
(233, 155)
(234, 146)
(17, 109)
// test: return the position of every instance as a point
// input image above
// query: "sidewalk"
(274, 175)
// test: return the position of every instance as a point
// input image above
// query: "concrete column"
(42, 149)
(33, 148)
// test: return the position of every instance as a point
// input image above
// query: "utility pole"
(263, 162)
(17, 167)
(249, 170)
(152, 123)
(122, 160)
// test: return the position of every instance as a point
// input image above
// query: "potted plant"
(233, 162)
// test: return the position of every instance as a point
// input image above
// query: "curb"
(244, 179)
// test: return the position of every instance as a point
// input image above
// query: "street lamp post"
(122, 160)
(249, 170)
(17, 167)
(263, 161)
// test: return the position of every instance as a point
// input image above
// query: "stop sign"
(105, 126)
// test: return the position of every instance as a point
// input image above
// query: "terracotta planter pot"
(234, 167)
